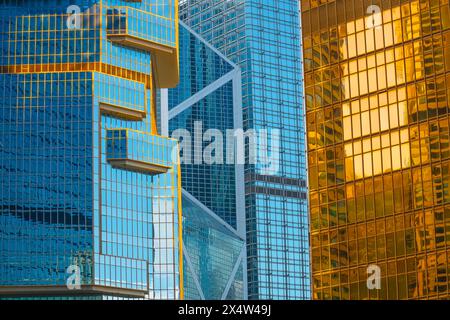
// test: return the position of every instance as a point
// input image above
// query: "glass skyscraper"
(90, 192)
(263, 38)
(208, 101)
(214, 255)
(377, 82)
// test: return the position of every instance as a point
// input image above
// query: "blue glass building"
(208, 101)
(263, 38)
(90, 192)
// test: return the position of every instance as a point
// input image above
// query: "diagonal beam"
(193, 274)
(211, 213)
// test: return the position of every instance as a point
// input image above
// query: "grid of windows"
(200, 66)
(139, 146)
(40, 38)
(138, 215)
(377, 101)
(213, 252)
(124, 93)
(141, 24)
(213, 249)
(263, 38)
(212, 184)
(45, 197)
(62, 203)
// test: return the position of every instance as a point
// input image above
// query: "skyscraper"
(90, 192)
(377, 97)
(263, 38)
(199, 111)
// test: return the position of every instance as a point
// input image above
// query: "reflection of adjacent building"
(214, 255)
(87, 182)
(262, 38)
(378, 140)
(209, 93)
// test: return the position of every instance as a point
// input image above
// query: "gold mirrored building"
(377, 87)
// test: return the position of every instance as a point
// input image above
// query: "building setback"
(208, 98)
(263, 38)
(377, 99)
(90, 194)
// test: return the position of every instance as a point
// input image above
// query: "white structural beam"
(193, 274)
(189, 102)
(239, 262)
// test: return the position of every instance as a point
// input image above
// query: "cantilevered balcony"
(122, 98)
(150, 32)
(138, 151)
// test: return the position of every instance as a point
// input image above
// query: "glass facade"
(208, 98)
(377, 98)
(213, 256)
(88, 183)
(200, 66)
(263, 38)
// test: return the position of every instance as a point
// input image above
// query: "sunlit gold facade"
(377, 101)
